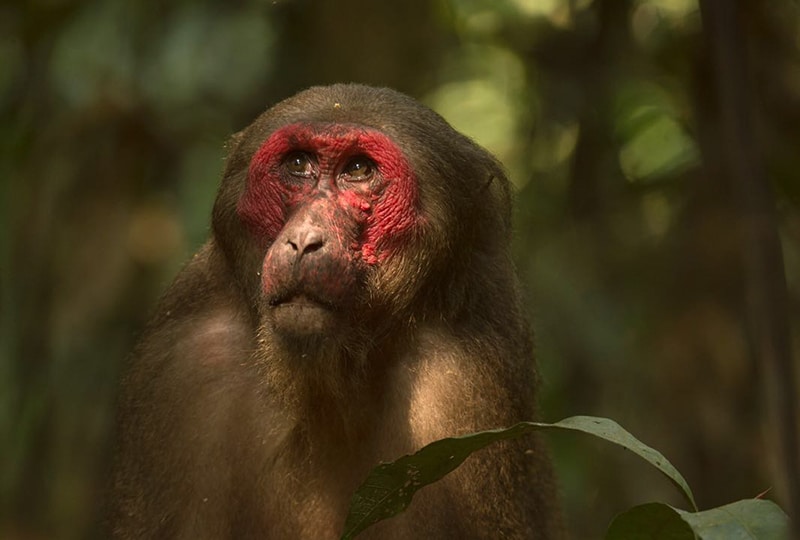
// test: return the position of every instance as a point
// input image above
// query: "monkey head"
(347, 203)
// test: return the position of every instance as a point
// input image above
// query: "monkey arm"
(185, 395)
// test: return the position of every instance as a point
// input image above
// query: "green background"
(625, 128)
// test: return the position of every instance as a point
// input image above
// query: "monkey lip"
(301, 315)
(300, 300)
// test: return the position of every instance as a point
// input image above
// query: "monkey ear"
(498, 187)
(233, 142)
(235, 158)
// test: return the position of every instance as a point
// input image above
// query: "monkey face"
(349, 211)
(332, 203)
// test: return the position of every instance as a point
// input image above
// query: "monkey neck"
(329, 390)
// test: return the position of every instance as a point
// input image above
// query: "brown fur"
(228, 432)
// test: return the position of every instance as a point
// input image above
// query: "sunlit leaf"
(659, 147)
(653, 140)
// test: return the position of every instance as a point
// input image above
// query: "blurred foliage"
(628, 238)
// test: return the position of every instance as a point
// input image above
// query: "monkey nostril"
(307, 241)
(313, 246)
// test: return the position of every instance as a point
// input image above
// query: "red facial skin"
(362, 221)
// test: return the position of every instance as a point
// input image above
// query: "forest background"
(654, 146)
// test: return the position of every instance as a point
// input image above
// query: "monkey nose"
(306, 240)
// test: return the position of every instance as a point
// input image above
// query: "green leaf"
(752, 519)
(745, 520)
(389, 488)
(613, 432)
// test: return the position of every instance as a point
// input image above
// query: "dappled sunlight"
(489, 103)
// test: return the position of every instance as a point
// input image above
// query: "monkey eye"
(299, 164)
(358, 169)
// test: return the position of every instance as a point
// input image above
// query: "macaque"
(356, 301)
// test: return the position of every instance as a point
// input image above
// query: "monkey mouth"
(300, 298)
(301, 315)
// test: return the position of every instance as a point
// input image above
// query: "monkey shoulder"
(457, 384)
(201, 319)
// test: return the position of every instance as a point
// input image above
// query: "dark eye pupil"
(298, 164)
(360, 168)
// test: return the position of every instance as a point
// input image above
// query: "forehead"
(328, 137)
(322, 133)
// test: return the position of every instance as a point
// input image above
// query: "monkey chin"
(300, 317)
